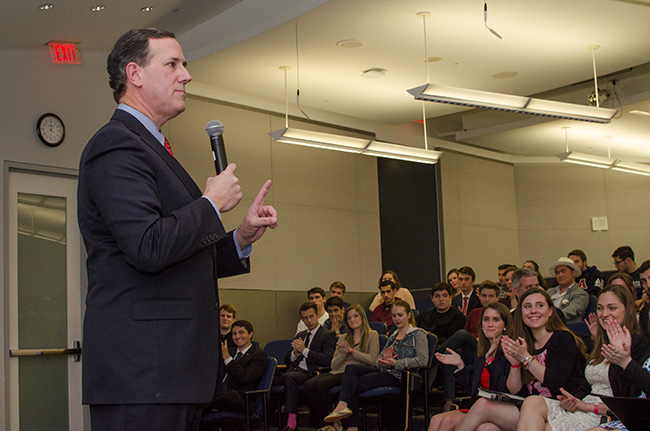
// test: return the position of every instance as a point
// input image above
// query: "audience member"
(400, 291)
(531, 264)
(358, 345)
(338, 289)
(311, 349)
(507, 274)
(545, 356)
(624, 262)
(501, 280)
(622, 279)
(452, 279)
(382, 312)
(522, 280)
(488, 292)
(467, 300)
(496, 321)
(227, 315)
(443, 319)
(591, 279)
(616, 320)
(644, 314)
(567, 295)
(407, 347)
(335, 309)
(244, 371)
(316, 296)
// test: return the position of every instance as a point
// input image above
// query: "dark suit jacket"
(155, 249)
(321, 349)
(246, 373)
(474, 302)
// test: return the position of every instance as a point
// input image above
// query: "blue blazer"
(155, 249)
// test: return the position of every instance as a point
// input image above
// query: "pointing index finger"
(259, 199)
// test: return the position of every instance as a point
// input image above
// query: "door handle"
(76, 351)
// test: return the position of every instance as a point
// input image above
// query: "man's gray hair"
(522, 272)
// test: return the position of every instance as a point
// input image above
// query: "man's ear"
(133, 74)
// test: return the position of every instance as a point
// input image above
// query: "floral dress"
(563, 420)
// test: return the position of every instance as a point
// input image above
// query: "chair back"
(380, 327)
(278, 349)
(591, 306)
(265, 384)
(383, 339)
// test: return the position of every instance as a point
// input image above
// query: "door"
(45, 302)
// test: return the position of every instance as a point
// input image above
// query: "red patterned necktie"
(168, 147)
(465, 299)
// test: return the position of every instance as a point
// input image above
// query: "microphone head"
(214, 128)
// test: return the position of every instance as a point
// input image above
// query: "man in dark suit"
(466, 300)
(311, 349)
(156, 247)
(245, 366)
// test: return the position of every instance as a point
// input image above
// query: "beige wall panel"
(628, 200)
(485, 248)
(559, 196)
(318, 246)
(453, 245)
(369, 254)
(487, 193)
(450, 184)
(367, 185)
(287, 306)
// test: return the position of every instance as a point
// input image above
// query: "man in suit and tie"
(156, 246)
(466, 300)
(311, 349)
(245, 366)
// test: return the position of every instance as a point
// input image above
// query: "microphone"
(214, 130)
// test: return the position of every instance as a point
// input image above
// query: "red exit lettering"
(64, 53)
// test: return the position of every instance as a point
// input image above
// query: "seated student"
(358, 345)
(644, 313)
(244, 370)
(505, 290)
(507, 279)
(311, 349)
(316, 296)
(452, 280)
(568, 296)
(401, 292)
(491, 366)
(488, 292)
(466, 300)
(531, 264)
(616, 330)
(382, 312)
(338, 289)
(444, 321)
(545, 356)
(407, 347)
(227, 315)
(335, 309)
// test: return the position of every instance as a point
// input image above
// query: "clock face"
(50, 129)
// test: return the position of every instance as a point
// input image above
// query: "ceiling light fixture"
(631, 168)
(581, 158)
(507, 102)
(147, 9)
(97, 8)
(345, 143)
(46, 6)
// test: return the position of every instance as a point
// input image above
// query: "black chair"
(380, 327)
(412, 380)
(216, 417)
(278, 348)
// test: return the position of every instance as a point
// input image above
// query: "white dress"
(562, 420)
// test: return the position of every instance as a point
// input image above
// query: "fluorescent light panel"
(586, 159)
(355, 145)
(631, 168)
(511, 103)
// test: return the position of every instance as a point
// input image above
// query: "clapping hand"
(343, 346)
(620, 341)
(592, 324)
(388, 359)
(451, 358)
(298, 345)
(568, 401)
(224, 350)
(515, 350)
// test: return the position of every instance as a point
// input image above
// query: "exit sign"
(64, 53)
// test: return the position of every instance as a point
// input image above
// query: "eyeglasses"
(618, 262)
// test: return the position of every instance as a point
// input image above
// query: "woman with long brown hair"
(544, 356)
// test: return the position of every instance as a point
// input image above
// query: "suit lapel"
(148, 139)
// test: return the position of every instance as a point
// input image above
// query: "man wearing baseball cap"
(568, 296)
